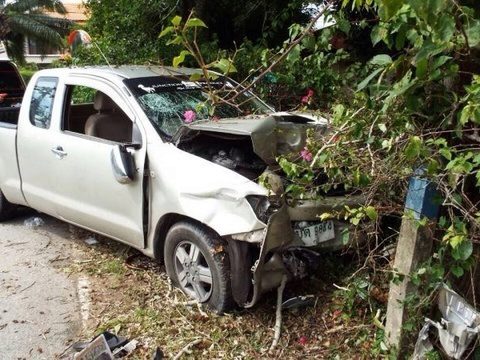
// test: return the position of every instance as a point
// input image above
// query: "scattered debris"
(423, 345)
(159, 355)
(34, 222)
(105, 346)
(126, 349)
(298, 302)
(28, 287)
(91, 241)
(459, 326)
(17, 243)
(186, 348)
(96, 349)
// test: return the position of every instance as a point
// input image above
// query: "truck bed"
(9, 116)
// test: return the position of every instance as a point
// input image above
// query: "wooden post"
(413, 248)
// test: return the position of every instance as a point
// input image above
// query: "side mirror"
(123, 164)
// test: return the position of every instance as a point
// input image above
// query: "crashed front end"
(293, 234)
(288, 245)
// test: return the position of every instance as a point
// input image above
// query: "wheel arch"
(162, 227)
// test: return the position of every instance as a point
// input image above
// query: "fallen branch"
(28, 287)
(278, 320)
(186, 348)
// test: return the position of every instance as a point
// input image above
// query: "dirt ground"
(120, 290)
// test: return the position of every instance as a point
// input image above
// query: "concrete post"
(413, 248)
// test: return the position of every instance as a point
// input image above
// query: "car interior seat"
(110, 122)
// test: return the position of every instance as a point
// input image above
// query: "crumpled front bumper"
(278, 238)
(269, 270)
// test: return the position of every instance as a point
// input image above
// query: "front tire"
(197, 262)
(6, 208)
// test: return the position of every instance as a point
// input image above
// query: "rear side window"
(42, 102)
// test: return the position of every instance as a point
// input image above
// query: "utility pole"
(413, 248)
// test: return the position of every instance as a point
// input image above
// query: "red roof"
(75, 12)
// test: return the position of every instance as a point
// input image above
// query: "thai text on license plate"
(315, 234)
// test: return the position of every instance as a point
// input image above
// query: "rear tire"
(197, 262)
(6, 209)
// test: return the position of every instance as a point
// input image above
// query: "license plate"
(315, 234)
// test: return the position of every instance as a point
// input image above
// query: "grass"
(138, 301)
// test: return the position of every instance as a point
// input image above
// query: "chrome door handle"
(59, 153)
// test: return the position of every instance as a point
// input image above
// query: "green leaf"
(382, 60)
(195, 22)
(294, 54)
(388, 8)
(176, 20)
(382, 127)
(446, 153)
(379, 33)
(196, 76)
(371, 212)
(166, 31)
(369, 78)
(345, 236)
(177, 40)
(432, 167)
(225, 66)
(439, 61)
(457, 271)
(463, 250)
(445, 27)
(473, 33)
(422, 66)
(413, 148)
(427, 9)
(325, 216)
(177, 60)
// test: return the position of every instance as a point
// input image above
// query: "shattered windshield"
(170, 102)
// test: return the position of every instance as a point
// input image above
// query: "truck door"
(84, 190)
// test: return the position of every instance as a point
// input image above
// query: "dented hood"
(269, 133)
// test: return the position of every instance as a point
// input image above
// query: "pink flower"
(303, 340)
(306, 154)
(306, 98)
(189, 116)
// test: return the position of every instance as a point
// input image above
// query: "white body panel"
(9, 175)
(81, 188)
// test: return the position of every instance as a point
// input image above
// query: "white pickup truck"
(128, 153)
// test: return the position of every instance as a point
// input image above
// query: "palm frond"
(25, 24)
(14, 44)
(23, 6)
(61, 25)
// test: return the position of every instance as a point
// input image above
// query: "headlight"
(261, 206)
(290, 138)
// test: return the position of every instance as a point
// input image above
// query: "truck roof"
(122, 72)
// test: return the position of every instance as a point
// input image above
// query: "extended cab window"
(42, 102)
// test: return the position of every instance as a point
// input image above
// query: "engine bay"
(234, 152)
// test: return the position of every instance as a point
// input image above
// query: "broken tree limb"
(186, 348)
(278, 319)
